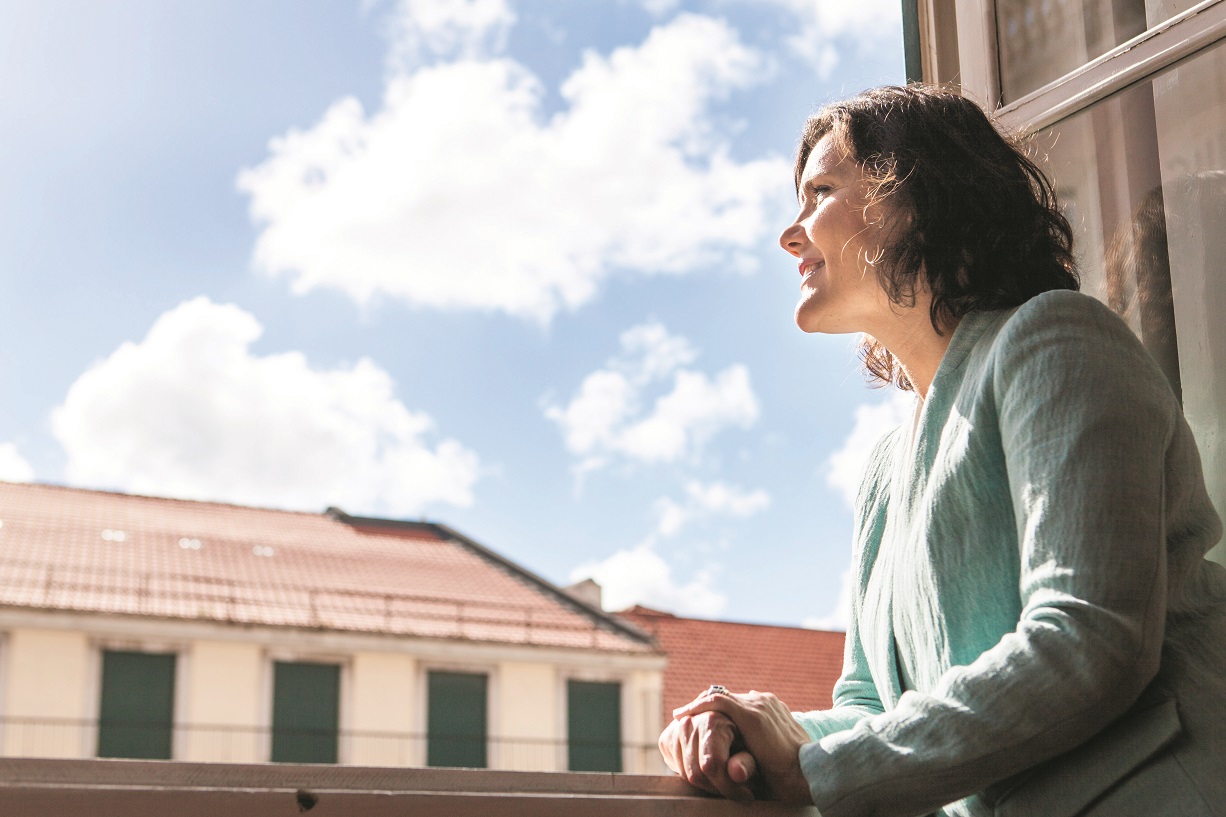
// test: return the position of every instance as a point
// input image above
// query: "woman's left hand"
(770, 734)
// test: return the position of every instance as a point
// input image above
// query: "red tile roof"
(71, 549)
(799, 665)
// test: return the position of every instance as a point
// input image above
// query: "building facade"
(154, 628)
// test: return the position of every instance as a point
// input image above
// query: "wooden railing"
(123, 788)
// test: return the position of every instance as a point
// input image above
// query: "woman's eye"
(817, 191)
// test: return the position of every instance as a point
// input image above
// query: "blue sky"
(510, 266)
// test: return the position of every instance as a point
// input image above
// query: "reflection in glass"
(1142, 176)
(1190, 103)
(1042, 40)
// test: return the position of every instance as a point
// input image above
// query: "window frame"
(977, 67)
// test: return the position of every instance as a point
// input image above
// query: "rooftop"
(68, 549)
(799, 665)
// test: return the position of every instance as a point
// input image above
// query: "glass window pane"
(1190, 104)
(455, 724)
(1042, 40)
(1142, 176)
(594, 726)
(136, 716)
(305, 712)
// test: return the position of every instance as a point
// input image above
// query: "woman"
(1034, 628)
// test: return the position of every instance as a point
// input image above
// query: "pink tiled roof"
(70, 549)
(799, 665)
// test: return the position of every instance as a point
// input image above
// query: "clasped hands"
(745, 746)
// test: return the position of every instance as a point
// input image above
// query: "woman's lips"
(807, 268)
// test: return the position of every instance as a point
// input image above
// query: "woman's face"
(835, 240)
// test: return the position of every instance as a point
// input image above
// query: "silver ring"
(717, 689)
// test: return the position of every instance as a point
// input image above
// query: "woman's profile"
(1035, 629)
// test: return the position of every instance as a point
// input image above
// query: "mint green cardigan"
(1029, 571)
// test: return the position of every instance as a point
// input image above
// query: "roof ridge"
(172, 499)
(653, 613)
(609, 620)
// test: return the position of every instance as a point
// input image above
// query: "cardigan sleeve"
(855, 693)
(1085, 418)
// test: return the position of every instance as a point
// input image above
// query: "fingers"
(742, 767)
(715, 749)
(769, 731)
(691, 758)
(669, 744)
(724, 703)
(715, 752)
(698, 749)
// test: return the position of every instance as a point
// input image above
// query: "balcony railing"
(121, 788)
(226, 743)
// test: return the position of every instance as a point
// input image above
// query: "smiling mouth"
(807, 268)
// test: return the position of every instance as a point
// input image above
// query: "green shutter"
(594, 726)
(136, 718)
(305, 712)
(911, 41)
(455, 727)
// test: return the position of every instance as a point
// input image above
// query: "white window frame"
(1134, 61)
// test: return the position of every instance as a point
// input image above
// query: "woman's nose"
(793, 239)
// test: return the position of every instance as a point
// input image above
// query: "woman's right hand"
(706, 751)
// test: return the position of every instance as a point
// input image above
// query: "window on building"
(305, 712)
(456, 720)
(136, 715)
(593, 726)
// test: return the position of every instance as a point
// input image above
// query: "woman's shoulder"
(1066, 343)
(1064, 307)
(1066, 319)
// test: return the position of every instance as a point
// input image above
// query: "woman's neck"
(916, 345)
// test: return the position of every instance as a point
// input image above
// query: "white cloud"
(13, 466)
(705, 500)
(190, 411)
(466, 29)
(660, 7)
(828, 30)
(845, 467)
(459, 193)
(609, 417)
(640, 576)
(839, 617)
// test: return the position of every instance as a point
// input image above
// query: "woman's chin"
(808, 321)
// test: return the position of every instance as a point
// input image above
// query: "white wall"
(382, 694)
(223, 689)
(49, 675)
(51, 669)
(530, 697)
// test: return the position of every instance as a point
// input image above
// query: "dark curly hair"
(981, 222)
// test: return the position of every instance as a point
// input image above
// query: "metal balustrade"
(228, 743)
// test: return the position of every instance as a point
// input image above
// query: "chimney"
(586, 591)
